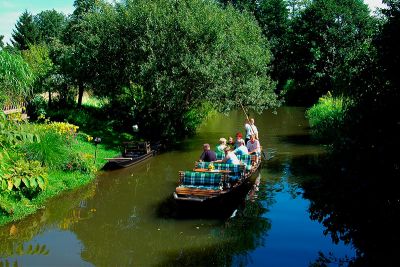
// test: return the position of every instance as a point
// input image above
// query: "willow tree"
(162, 61)
(16, 78)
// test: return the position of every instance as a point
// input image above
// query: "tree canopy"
(25, 32)
(173, 57)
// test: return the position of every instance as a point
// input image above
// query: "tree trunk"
(49, 103)
(80, 94)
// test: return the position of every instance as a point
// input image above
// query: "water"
(127, 217)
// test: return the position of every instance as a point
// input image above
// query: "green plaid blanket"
(201, 178)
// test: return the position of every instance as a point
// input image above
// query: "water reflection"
(240, 234)
(359, 208)
(128, 217)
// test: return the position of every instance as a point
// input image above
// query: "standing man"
(250, 129)
(208, 155)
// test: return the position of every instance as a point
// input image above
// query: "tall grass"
(51, 150)
(326, 117)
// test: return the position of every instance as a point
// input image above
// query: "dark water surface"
(127, 217)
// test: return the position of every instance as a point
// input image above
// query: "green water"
(127, 217)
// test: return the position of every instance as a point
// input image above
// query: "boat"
(216, 182)
(133, 153)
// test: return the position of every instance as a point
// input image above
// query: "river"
(126, 217)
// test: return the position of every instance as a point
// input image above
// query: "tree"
(50, 24)
(1, 41)
(273, 18)
(25, 32)
(37, 56)
(79, 55)
(325, 36)
(16, 78)
(167, 63)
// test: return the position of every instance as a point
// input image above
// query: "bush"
(80, 162)
(26, 177)
(37, 107)
(51, 149)
(326, 117)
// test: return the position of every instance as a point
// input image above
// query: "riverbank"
(14, 207)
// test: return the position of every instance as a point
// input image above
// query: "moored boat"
(133, 153)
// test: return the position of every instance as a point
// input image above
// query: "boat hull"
(118, 163)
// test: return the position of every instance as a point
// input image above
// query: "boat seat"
(200, 183)
(237, 171)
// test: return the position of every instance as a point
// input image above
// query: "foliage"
(37, 57)
(181, 55)
(16, 78)
(81, 162)
(52, 148)
(326, 117)
(324, 37)
(36, 107)
(1, 41)
(360, 191)
(27, 177)
(25, 33)
(50, 25)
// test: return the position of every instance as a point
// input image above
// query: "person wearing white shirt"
(253, 145)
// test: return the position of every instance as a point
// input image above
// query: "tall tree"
(273, 18)
(25, 32)
(80, 56)
(163, 64)
(50, 24)
(324, 37)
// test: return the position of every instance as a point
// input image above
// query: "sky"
(10, 10)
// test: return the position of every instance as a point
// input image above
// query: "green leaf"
(41, 182)
(3, 185)
(33, 183)
(26, 182)
(17, 182)
(10, 185)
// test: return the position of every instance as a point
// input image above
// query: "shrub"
(37, 107)
(51, 150)
(26, 177)
(80, 162)
(326, 116)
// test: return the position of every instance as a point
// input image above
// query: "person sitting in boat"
(221, 146)
(208, 155)
(230, 157)
(230, 143)
(242, 149)
(253, 145)
(238, 141)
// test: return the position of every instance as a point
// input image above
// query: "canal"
(127, 217)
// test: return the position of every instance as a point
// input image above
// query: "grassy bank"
(43, 161)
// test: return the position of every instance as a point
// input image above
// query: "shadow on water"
(360, 206)
(242, 232)
(220, 208)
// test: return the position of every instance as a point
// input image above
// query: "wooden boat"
(133, 153)
(205, 184)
